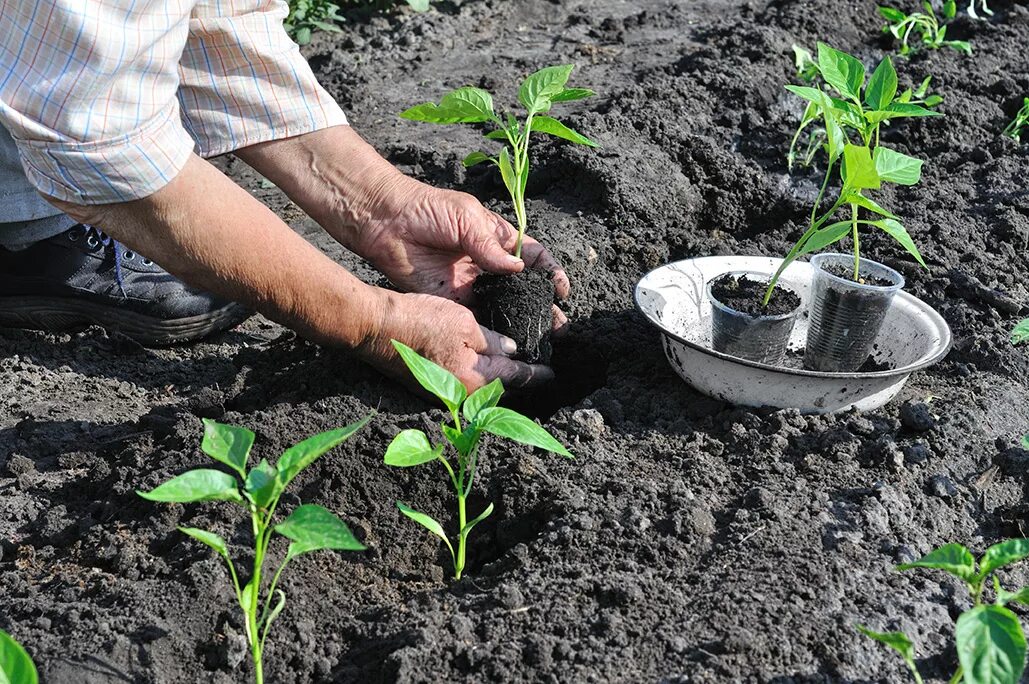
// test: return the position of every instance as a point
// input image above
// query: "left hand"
(435, 241)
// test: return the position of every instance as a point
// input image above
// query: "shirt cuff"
(128, 167)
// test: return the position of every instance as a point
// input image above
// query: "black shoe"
(82, 277)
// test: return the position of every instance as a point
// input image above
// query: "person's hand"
(437, 242)
(447, 333)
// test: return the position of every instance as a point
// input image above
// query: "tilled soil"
(688, 541)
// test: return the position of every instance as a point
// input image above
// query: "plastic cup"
(846, 315)
(762, 339)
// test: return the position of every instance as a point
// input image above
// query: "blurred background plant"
(307, 16)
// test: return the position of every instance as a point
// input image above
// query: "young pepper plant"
(990, 642)
(16, 667)
(927, 26)
(1017, 127)
(481, 415)
(856, 112)
(308, 528)
(537, 93)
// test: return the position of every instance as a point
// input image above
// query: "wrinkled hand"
(435, 241)
(447, 333)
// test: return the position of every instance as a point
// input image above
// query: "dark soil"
(841, 271)
(518, 306)
(688, 541)
(745, 294)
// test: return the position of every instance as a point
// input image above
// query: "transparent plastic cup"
(846, 315)
(762, 339)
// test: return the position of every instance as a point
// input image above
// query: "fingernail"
(513, 259)
(508, 345)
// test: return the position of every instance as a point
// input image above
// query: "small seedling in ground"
(537, 93)
(990, 643)
(859, 111)
(1017, 127)
(308, 527)
(307, 16)
(16, 667)
(481, 415)
(922, 30)
(1021, 333)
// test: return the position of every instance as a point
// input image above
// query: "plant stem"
(461, 520)
(957, 676)
(857, 243)
(914, 671)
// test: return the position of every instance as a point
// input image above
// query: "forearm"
(215, 236)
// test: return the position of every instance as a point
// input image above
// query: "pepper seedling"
(926, 26)
(16, 667)
(481, 415)
(537, 93)
(1021, 332)
(1019, 123)
(859, 111)
(990, 642)
(309, 527)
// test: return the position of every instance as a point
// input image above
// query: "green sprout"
(860, 111)
(1017, 127)
(307, 16)
(309, 527)
(1021, 332)
(16, 667)
(990, 643)
(481, 415)
(537, 94)
(926, 26)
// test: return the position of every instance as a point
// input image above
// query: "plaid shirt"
(106, 99)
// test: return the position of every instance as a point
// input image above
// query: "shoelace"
(109, 242)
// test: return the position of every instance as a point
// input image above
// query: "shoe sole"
(55, 314)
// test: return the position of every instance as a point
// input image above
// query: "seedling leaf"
(301, 455)
(279, 605)
(202, 484)
(209, 538)
(485, 397)
(900, 234)
(419, 5)
(570, 94)
(546, 124)
(896, 167)
(314, 528)
(1021, 332)
(892, 15)
(507, 423)
(859, 170)
(16, 666)
(952, 558)
(866, 203)
(906, 109)
(882, 86)
(991, 645)
(507, 172)
(1004, 597)
(898, 641)
(262, 482)
(435, 378)
(410, 448)
(841, 71)
(824, 237)
(478, 519)
(1004, 553)
(227, 444)
(464, 105)
(538, 90)
(462, 440)
(475, 158)
(426, 522)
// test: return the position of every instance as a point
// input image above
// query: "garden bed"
(688, 541)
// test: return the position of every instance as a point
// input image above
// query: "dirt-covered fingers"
(560, 322)
(513, 373)
(496, 344)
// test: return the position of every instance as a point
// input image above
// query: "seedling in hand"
(16, 667)
(1017, 127)
(537, 93)
(990, 643)
(857, 111)
(926, 26)
(308, 527)
(481, 415)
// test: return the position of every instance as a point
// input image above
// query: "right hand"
(447, 333)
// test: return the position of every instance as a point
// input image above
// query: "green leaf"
(824, 237)
(419, 5)
(865, 203)
(299, 456)
(279, 605)
(462, 440)
(991, 646)
(896, 167)
(882, 86)
(858, 168)
(326, 26)
(570, 94)
(504, 422)
(810, 94)
(906, 109)
(507, 172)
(246, 597)
(950, 8)
(426, 522)
(434, 378)
(1004, 597)
(227, 444)
(1021, 332)
(898, 641)
(1025, 442)
(497, 135)
(303, 36)
(203, 484)
(952, 558)
(538, 90)
(476, 158)
(262, 483)
(962, 46)
(841, 71)
(551, 126)
(314, 528)
(1004, 553)
(478, 519)
(892, 15)
(464, 105)
(895, 230)
(410, 448)
(209, 538)
(923, 87)
(16, 666)
(486, 396)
